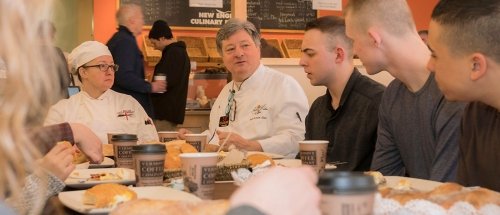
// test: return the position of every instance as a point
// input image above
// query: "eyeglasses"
(231, 106)
(104, 67)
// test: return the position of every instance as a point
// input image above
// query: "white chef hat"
(86, 52)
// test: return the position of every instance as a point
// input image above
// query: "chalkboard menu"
(281, 14)
(274, 14)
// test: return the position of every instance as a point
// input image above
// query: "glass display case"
(204, 87)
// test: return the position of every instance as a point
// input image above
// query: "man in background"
(418, 129)
(170, 106)
(123, 46)
(467, 67)
(347, 115)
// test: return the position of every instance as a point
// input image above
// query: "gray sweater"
(418, 133)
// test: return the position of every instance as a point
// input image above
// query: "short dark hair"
(334, 27)
(160, 29)
(469, 26)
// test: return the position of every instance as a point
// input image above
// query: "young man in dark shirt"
(346, 115)
(467, 67)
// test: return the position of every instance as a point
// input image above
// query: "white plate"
(78, 178)
(418, 184)
(106, 163)
(272, 155)
(289, 162)
(73, 199)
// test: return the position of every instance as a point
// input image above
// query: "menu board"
(281, 14)
(275, 14)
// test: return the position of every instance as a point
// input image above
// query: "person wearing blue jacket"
(126, 53)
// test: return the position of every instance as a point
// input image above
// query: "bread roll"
(108, 195)
(174, 149)
(165, 207)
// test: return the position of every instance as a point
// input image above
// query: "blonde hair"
(28, 90)
(393, 15)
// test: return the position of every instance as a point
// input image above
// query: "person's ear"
(82, 71)
(375, 37)
(478, 67)
(340, 54)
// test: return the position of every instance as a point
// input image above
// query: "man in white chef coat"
(97, 106)
(261, 109)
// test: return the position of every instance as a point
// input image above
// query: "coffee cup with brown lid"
(344, 192)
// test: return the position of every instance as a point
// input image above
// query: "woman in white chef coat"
(97, 106)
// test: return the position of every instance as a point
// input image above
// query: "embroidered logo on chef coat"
(258, 112)
(126, 114)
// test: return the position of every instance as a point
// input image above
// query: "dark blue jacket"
(129, 79)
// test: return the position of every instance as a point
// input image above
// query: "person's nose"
(302, 61)
(238, 52)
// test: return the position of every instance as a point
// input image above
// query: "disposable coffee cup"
(110, 135)
(198, 141)
(122, 147)
(166, 136)
(343, 192)
(149, 160)
(313, 153)
(198, 171)
(160, 77)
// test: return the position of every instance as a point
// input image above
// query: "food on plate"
(445, 195)
(108, 195)
(476, 196)
(403, 184)
(445, 189)
(160, 207)
(256, 159)
(119, 174)
(377, 177)
(78, 156)
(188, 148)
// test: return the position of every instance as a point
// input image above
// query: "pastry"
(174, 149)
(108, 195)
(78, 156)
(165, 207)
(377, 177)
(256, 159)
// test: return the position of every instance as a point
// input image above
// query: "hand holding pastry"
(87, 142)
(59, 161)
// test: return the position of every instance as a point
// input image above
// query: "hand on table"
(87, 142)
(59, 161)
(281, 190)
(230, 138)
(182, 133)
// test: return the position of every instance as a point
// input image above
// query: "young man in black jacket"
(174, 63)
